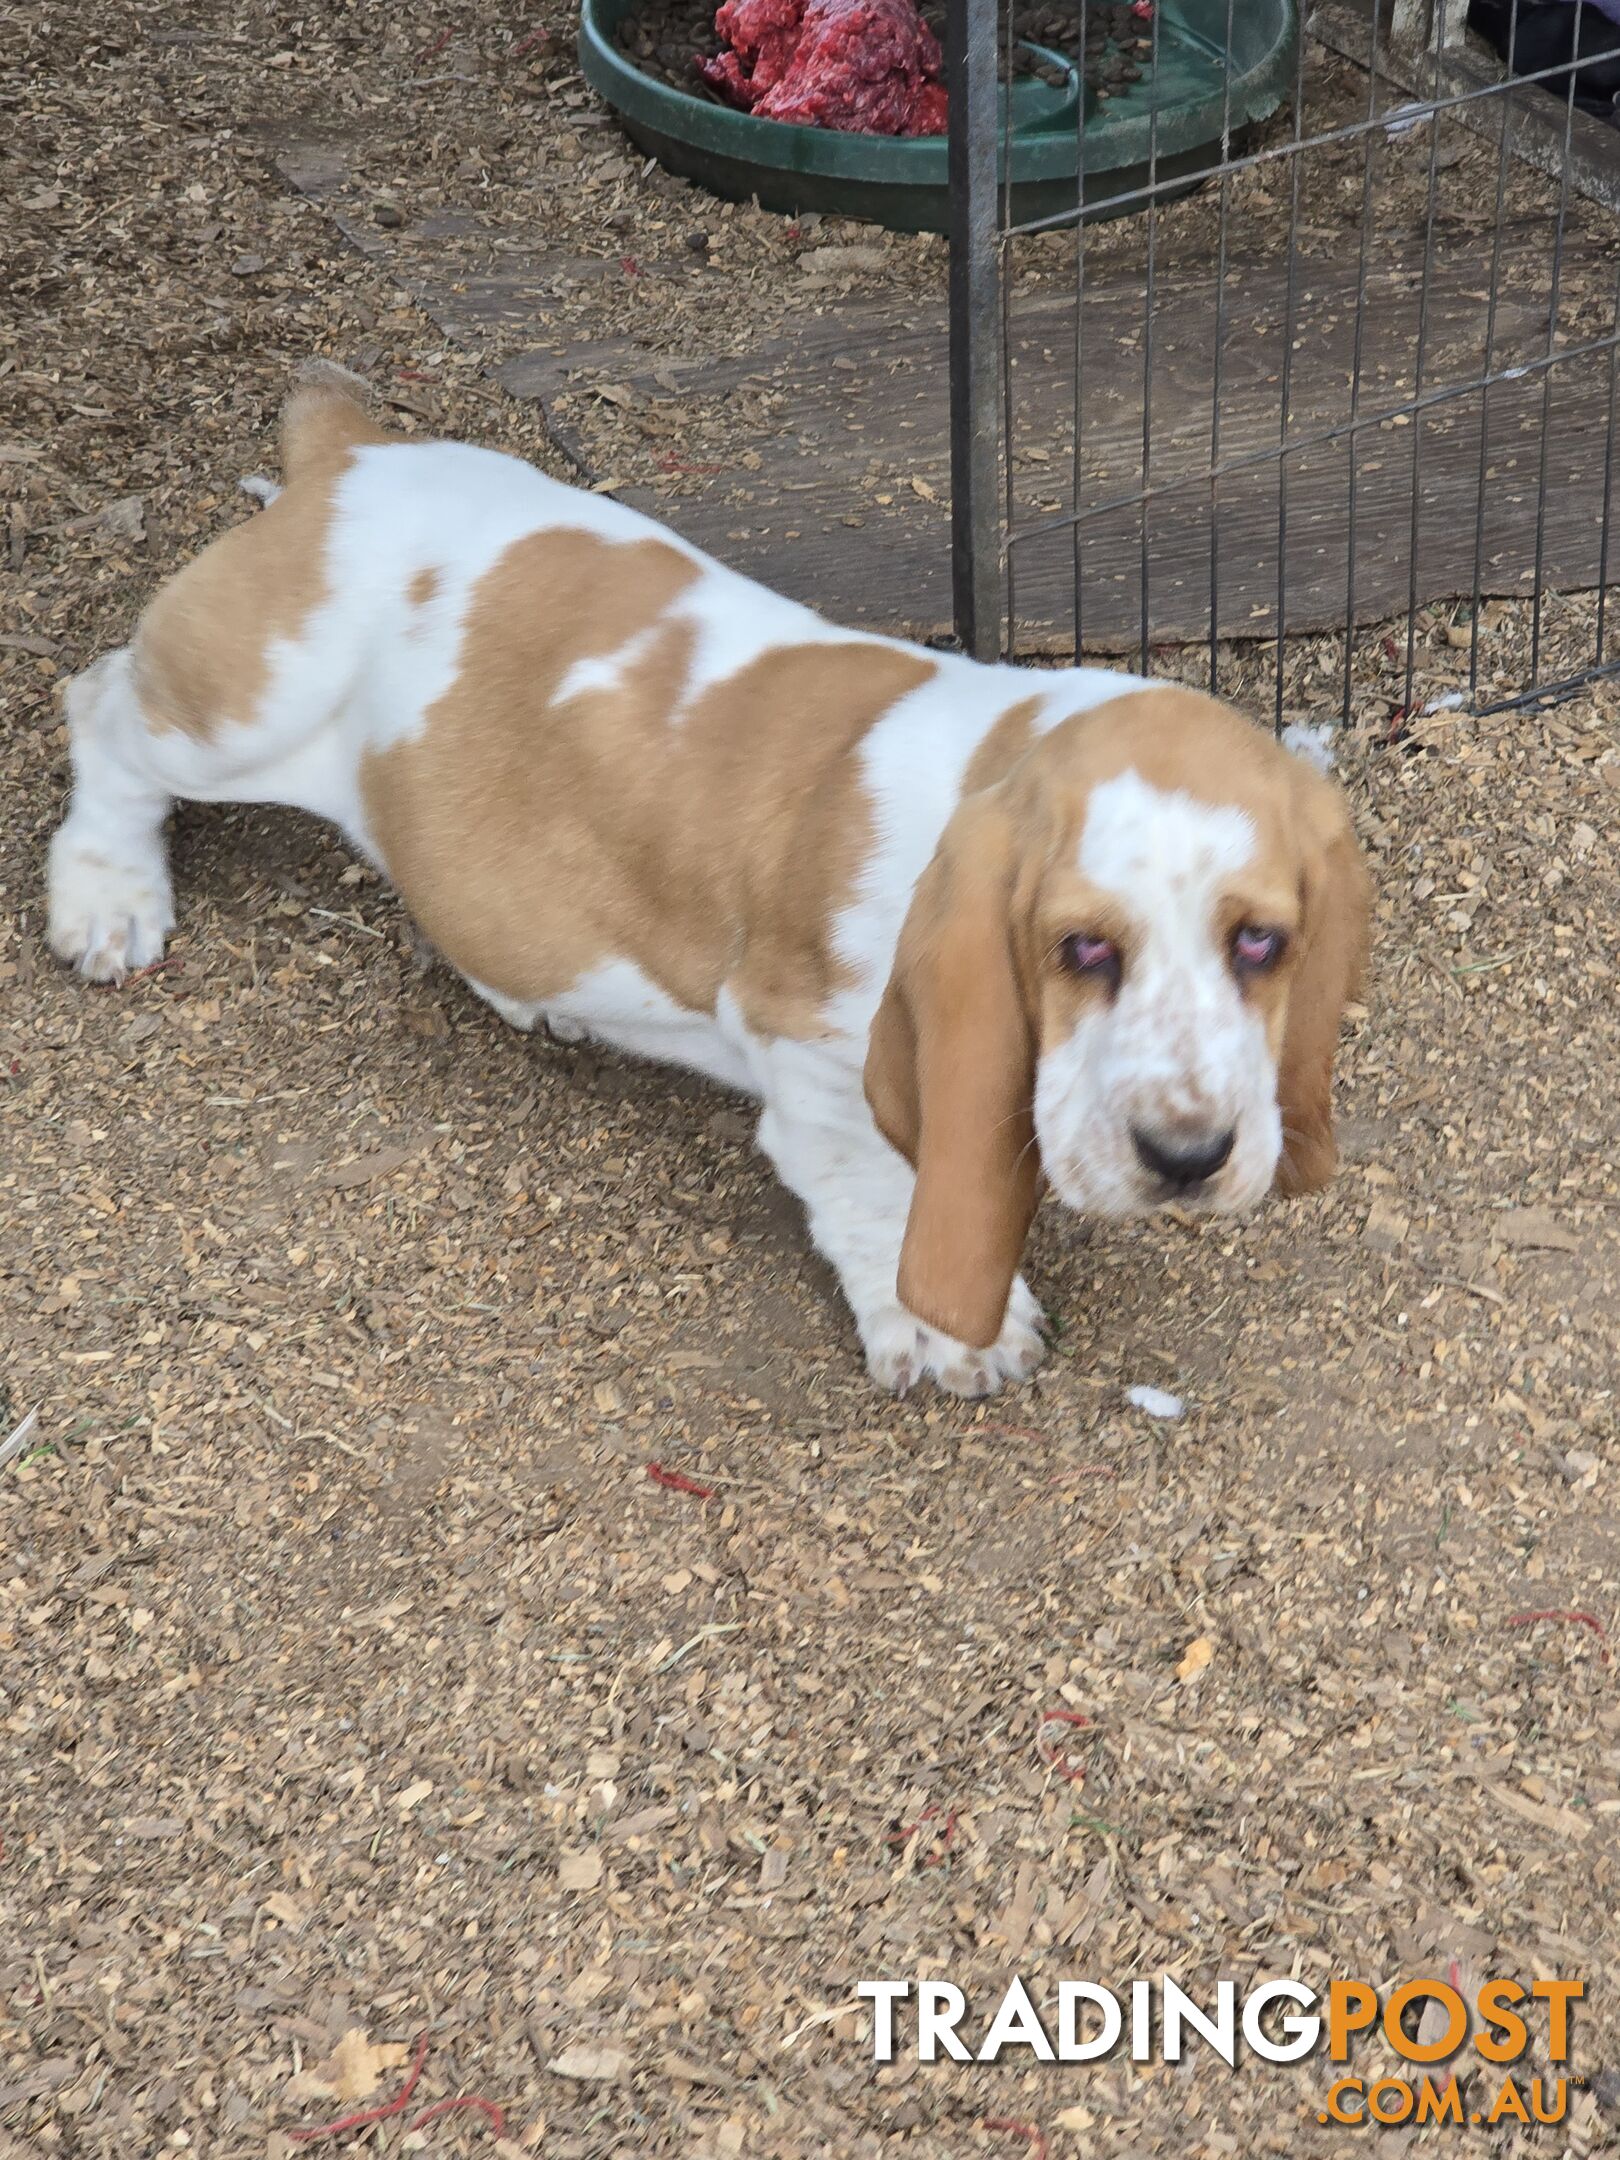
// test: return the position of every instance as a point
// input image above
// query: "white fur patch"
(1178, 1051)
(1313, 741)
(588, 677)
(1144, 845)
(617, 1004)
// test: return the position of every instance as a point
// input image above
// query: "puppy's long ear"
(1332, 965)
(950, 1077)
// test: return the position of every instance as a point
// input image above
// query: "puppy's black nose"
(1183, 1164)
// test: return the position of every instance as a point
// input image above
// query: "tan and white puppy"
(961, 929)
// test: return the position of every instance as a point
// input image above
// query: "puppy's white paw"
(902, 1350)
(1024, 1310)
(107, 918)
(561, 1029)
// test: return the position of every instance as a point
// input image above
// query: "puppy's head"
(1124, 968)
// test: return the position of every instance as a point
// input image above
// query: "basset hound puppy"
(965, 931)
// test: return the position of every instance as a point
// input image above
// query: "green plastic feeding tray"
(901, 181)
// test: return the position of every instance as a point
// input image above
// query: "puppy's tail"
(323, 420)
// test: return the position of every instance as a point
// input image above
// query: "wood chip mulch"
(366, 1703)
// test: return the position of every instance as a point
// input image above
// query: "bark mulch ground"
(358, 1682)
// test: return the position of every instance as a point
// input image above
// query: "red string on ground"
(1049, 1751)
(676, 1483)
(1010, 2126)
(431, 52)
(528, 44)
(1441, 2095)
(670, 463)
(1563, 1612)
(946, 1834)
(157, 967)
(396, 2106)
(492, 2114)
(400, 2102)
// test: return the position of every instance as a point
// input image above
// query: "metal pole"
(970, 29)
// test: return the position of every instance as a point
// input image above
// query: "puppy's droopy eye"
(1254, 949)
(1094, 956)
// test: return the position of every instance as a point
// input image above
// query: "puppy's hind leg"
(110, 902)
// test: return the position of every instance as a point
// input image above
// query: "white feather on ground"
(1157, 1402)
(17, 1439)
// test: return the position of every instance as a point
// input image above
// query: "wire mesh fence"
(1329, 411)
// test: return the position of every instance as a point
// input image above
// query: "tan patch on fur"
(534, 836)
(1002, 746)
(202, 651)
(322, 425)
(422, 587)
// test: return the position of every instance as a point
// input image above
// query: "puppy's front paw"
(902, 1350)
(107, 918)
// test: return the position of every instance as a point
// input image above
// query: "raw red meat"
(864, 67)
(762, 35)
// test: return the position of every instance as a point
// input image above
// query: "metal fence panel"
(1340, 416)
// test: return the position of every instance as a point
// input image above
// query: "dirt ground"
(358, 1679)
